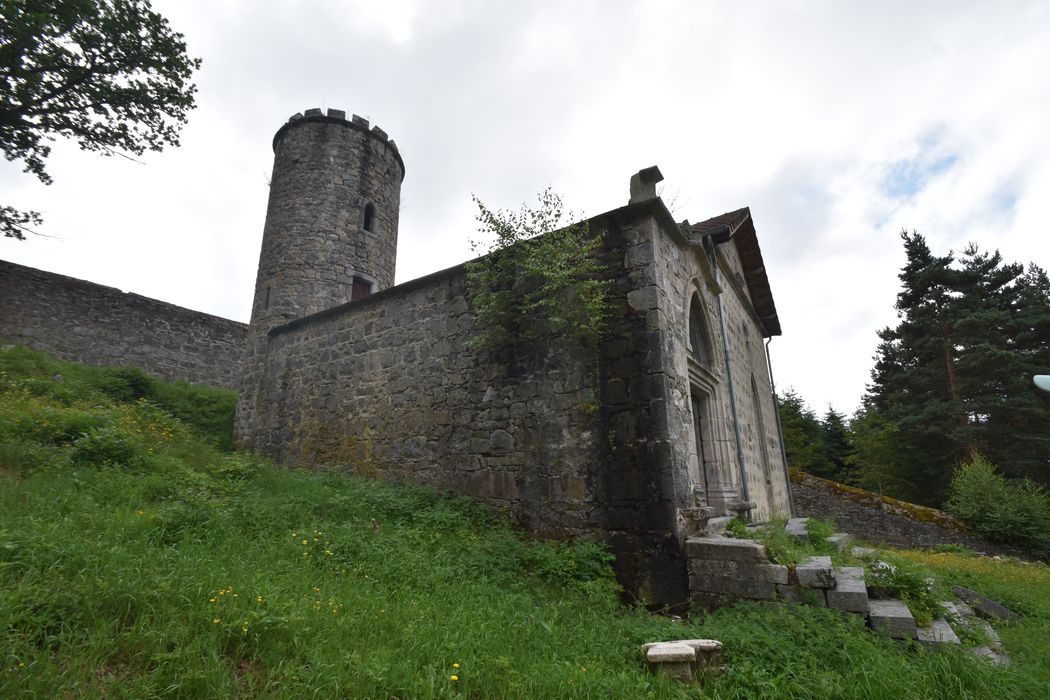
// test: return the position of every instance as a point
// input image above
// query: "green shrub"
(1007, 510)
(104, 446)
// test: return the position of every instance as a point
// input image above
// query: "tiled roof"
(742, 231)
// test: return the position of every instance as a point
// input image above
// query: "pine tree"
(803, 438)
(953, 378)
(838, 445)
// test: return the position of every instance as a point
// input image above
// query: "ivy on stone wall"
(538, 280)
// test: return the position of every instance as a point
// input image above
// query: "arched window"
(370, 218)
(698, 345)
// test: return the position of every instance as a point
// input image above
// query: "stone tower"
(331, 222)
(330, 235)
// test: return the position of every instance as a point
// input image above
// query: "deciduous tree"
(109, 74)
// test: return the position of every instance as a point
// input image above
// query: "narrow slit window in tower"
(370, 218)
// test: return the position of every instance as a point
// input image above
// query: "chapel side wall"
(747, 352)
(389, 387)
(92, 324)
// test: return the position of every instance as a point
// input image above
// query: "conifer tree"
(803, 438)
(953, 378)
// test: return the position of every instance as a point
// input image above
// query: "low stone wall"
(97, 325)
(884, 520)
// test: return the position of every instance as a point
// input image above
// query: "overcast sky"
(838, 123)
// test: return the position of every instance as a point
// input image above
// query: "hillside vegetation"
(140, 558)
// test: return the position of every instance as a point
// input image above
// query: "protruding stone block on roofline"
(643, 184)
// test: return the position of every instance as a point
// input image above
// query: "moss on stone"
(912, 510)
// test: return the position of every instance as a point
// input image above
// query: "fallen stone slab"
(849, 594)
(816, 572)
(685, 659)
(991, 655)
(725, 549)
(892, 617)
(939, 632)
(984, 605)
(672, 659)
(796, 527)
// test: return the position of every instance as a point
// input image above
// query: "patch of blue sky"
(906, 178)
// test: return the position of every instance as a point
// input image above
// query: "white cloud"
(798, 111)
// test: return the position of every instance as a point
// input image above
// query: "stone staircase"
(725, 569)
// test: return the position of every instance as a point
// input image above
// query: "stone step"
(725, 549)
(796, 527)
(863, 552)
(849, 594)
(816, 572)
(840, 540)
(939, 632)
(892, 617)
(717, 526)
(963, 615)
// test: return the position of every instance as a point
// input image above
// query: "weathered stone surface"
(788, 593)
(816, 572)
(672, 659)
(773, 573)
(984, 605)
(96, 325)
(840, 540)
(664, 652)
(725, 549)
(849, 593)
(796, 527)
(893, 618)
(869, 516)
(939, 632)
(863, 552)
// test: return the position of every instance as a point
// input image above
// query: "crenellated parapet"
(337, 116)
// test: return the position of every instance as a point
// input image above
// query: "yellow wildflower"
(453, 678)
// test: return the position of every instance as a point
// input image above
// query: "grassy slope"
(139, 559)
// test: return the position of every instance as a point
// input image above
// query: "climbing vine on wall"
(540, 279)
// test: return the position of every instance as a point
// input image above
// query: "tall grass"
(138, 559)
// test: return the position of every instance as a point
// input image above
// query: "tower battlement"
(316, 115)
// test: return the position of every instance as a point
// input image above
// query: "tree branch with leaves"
(540, 279)
(109, 74)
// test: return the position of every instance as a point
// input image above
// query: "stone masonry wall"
(566, 439)
(89, 323)
(884, 520)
